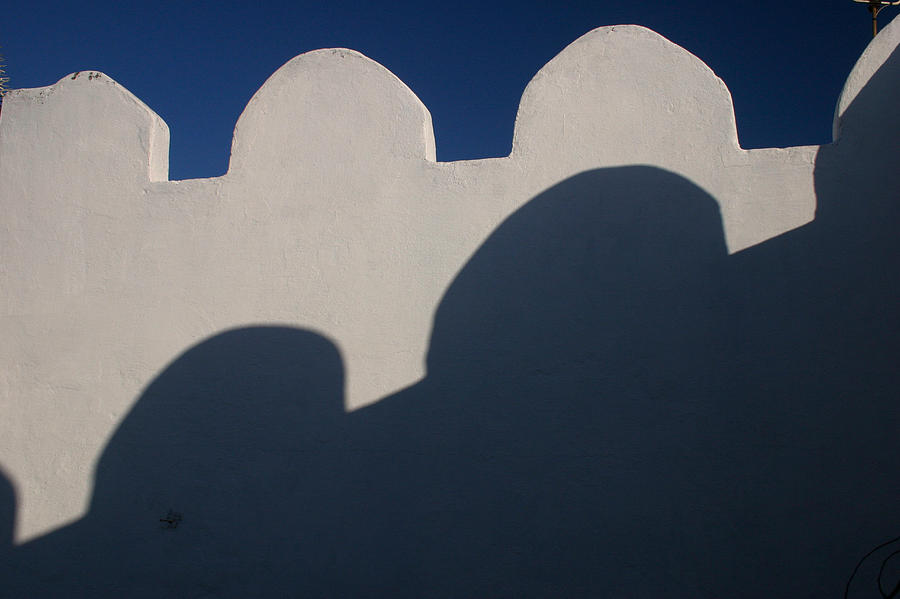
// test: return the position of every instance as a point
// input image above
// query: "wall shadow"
(613, 408)
(7, 516)
(202, 488)
(816, 365)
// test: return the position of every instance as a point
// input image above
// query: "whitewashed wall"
(334, 218)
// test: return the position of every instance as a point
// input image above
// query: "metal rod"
(875, 7)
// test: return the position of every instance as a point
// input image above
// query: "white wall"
(334, 218)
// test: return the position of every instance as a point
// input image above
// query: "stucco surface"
(335, 219)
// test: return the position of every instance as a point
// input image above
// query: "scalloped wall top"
(613, 84)
(330, 105)
(876, 56)
(866, 117)
(624, 83)
(88, 119)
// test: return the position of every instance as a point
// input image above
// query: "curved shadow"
(202, 487)
(559, 425)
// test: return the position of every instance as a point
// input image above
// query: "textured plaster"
(333, 217)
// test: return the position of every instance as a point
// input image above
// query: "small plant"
(4, 80)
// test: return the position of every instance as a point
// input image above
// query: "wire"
(880, 572)
(893, 593)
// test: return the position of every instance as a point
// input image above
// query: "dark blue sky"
(198, 63)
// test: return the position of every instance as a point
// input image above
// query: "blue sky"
(198, 63)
